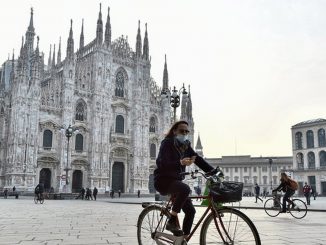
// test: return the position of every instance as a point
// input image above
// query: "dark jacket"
(284, 186)
(95, 191)
(168, 161)
(257, 190)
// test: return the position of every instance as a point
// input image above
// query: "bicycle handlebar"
(217, 172)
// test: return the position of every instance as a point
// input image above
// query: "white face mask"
(182, 138)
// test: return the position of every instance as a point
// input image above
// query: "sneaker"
(174, 228)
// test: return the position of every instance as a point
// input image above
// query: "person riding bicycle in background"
(287, 187)
(174, 155)
(39, 189)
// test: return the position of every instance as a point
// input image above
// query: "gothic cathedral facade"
(104, 91)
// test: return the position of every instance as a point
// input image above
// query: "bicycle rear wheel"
(299, 210)
(272, 207)
(239, 229)
(147, 223)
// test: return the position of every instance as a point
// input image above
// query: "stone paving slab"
(108, 222)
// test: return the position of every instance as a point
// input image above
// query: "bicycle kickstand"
(177, 240)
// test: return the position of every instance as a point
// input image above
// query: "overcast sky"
(255, 67)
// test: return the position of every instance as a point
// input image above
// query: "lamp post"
(270, 160)
(68, 133)
(175, 99)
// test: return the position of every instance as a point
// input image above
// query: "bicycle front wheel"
(230, 227)
(149, 221)
(299, 210)
(272, 207)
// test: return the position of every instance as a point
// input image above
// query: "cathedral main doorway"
(77, 181)
(45, 178)
(118, 176)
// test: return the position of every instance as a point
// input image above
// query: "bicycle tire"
(147, 223)
(271, 208)
(239, 227)
(35, 199)
(300, 209)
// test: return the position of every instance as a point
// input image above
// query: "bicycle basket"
(227, 191)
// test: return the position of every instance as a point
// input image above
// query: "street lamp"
(175, 99)
(68, 133)
(270, 160)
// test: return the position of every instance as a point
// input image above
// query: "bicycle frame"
(176, 239)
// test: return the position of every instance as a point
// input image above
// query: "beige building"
(309, 153)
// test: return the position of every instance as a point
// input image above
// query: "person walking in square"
(5, 193)
(82, 192)
(95, 191)
(138, 193)
(306, 192)
(257, 192)
(14, 189)
(119, 192)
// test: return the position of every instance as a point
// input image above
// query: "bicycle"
(297, 208)
(39, 198)
(221, 225)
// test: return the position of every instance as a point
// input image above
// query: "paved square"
(108, 222)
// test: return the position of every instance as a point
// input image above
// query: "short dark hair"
(174, 127)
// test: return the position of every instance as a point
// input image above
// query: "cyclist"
(174, 155)
(287, 187)
(39, 189)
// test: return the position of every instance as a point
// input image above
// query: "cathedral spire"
(12, 73)
(146, 46)
(165, 77)
(59, 52)
(70, 43)
(49, 60)
(189, 104)
(99, 27)
(107, 39)
(30, 33)
(199, 147)
(138, 42)
(81, 40)
(53, 59)
(37, 51)
(22, 47)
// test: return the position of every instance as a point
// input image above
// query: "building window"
(245, 169)
(236, 169)
(298, 140)
(322, 157)
(152, 125)
(80, 111)
(226, 170)
(255, 179)
(119, 124)
(274, 168)
(255, 169)
(311, 160)
(152, 151)
(300, 160)
(275, 180)
(264, 169)
(321, 137)
(236, 178)
(265, 180)
(47, 139)
(119, 84)
(310, 139)
(79, 143)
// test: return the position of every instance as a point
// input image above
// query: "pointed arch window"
(119, 124)
(300, 160)
(47, 139)
(310, 139)
(322, 157)
(298, 140)
(152, 125)
(80, 111)
(311, 160)
(79, 143)
(152, 151)
(119, 84)
(321, 138)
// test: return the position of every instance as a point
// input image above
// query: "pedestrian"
(5, 193)
(306, 192)
(87, 194)
(95, 191)
(119, 192)
(257, 193)
(14, 189)
(264, 193)
(313, 192)
(138, 193)
(82, 192)
(112, 193)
